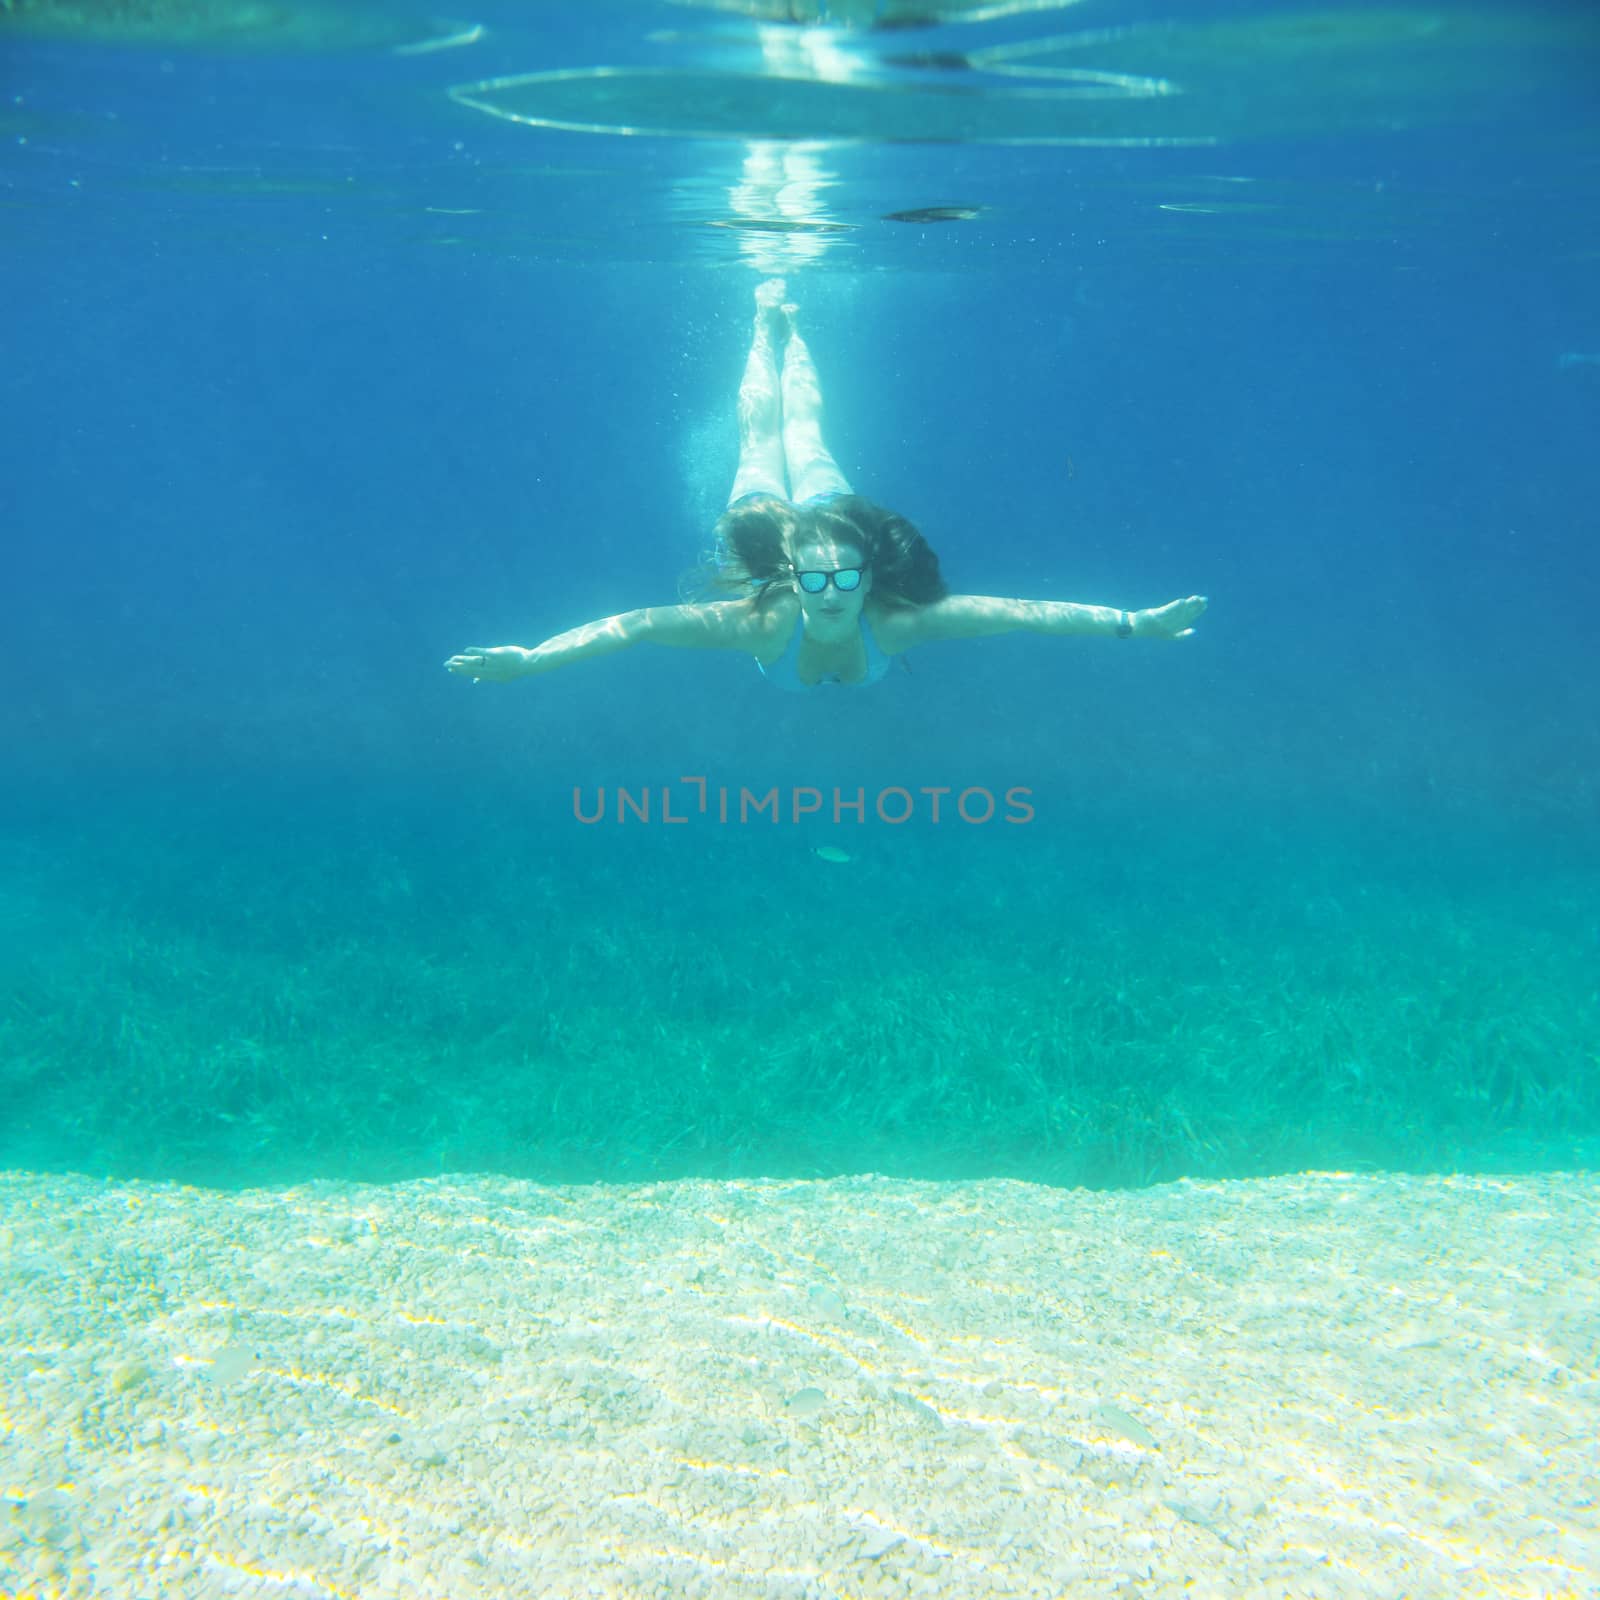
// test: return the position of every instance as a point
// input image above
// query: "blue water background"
(285, 428)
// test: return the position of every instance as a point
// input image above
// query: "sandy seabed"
(1318, 1385)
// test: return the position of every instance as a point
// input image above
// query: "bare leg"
(812, 469)
(761, 464)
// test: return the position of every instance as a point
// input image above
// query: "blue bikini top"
(785, 671)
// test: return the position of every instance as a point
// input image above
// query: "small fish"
(805, 1402)
(831, 852)
(935, 60)
(935, 214)
(1125, 1427)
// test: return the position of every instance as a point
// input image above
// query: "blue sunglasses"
(844, 579)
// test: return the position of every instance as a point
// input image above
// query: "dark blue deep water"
(328, 356)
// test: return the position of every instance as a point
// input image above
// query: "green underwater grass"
(376, 1005)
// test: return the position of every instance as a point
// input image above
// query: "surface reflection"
(776, 207)
(1143, 85)
(238, 25)
(878, 13)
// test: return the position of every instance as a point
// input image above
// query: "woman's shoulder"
(894, 627)
(769, 628)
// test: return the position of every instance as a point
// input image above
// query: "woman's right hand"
(499, 663)
(1175, 620)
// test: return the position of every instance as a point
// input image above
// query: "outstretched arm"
(725, 626)
(976, 616)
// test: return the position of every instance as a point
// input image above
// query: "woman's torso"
(793, 660)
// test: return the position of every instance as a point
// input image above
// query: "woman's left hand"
(1174, 620)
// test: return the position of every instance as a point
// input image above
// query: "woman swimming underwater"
(830, 587)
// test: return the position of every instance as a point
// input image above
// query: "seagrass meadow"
(378, 998)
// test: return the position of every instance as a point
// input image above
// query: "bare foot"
(772, 314)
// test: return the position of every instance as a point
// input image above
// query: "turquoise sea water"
(342, 341)
(1121, 1003)
(561, 1138)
